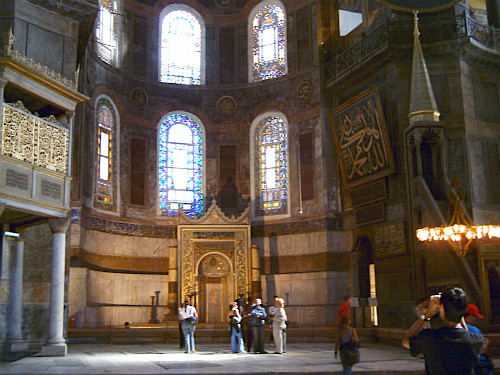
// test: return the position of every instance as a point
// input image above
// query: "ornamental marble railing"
(395, 33)
(42, 142)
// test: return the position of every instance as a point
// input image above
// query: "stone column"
(14, 341)
(256, 272)
(56, 344)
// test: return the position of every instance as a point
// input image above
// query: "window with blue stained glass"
(105, 31)
(271, 155)
(268, 43)
(180, 165)
(180, 48)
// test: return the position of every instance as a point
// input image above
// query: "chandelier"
(459, 233)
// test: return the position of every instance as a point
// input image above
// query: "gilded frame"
(362, 140)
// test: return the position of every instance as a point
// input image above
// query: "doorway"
(215, 280)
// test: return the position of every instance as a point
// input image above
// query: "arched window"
(105, 173)
(270, 166)
(268, 41)
(180, 170)
(106, 32)
(181, 45)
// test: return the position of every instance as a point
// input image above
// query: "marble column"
(14, 340)
(56, 344)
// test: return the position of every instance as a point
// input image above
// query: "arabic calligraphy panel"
(361, 137)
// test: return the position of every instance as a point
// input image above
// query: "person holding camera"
(257, 322)
(188, 318)
(451, 348)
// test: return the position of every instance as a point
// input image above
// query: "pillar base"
(16, 346)
(54, 350)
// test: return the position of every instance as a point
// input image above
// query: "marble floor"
(214, 359)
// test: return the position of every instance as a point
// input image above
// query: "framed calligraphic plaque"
(362, 141)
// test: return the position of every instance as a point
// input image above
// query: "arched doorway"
(367, 290)
(216, 287)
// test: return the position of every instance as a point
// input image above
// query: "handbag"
(349, 352)
(192, 319)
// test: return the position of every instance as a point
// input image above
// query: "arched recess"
(366, 280)
(216, 286)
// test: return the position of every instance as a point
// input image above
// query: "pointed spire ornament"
(422, 102)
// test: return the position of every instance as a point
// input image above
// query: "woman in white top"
(188, 318)
(279, 325)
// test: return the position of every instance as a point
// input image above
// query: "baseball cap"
(473, 310)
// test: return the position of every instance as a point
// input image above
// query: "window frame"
(255, 170)
(114, 152)
(172, 8)
(116, 27)
(203, 162)
(250, 47)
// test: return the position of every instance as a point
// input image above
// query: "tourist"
(237, 345)
(347, 343)
(483, 366)
(188, 318)
(451, 348)
(279, 325)
(257, 323)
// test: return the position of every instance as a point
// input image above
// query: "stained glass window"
(271, 154)
(104, 187)
(180, 165)
(268, 43)
(105, 31)
(180, 48)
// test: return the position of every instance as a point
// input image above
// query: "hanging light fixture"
(459, 233)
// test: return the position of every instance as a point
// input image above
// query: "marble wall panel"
(125, 289)
(310, 298)
(115, 244)
(77, 295)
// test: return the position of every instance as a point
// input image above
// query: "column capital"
(59, 224)
(70, 114)
(2, 208)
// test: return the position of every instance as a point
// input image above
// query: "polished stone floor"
(214, 359)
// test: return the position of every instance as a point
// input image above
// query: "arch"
(205, 256)
(106, 181)
(269, 188)
(267, 42)
(182, 30)
(181, 137)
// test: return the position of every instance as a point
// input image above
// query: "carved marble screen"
(200, 245)
(362, 141)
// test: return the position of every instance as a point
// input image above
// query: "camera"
(436, 295)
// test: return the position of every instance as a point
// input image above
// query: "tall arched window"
(105, 171)
(180, 169)
(270, 166)
(181, 46)
(106, 32)
(268, 41)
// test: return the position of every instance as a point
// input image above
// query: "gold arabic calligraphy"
(361, 139)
